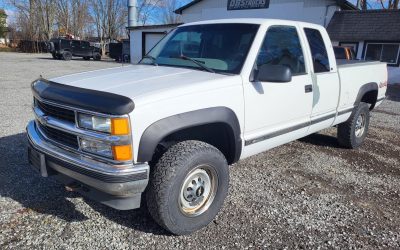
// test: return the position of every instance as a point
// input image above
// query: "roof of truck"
(259, 21)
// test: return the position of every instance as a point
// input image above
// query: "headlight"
(96, 147)
(114, 126)
(96, 123)
(117, 152)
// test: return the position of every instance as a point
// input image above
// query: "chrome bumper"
(114, 185)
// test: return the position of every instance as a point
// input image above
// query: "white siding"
(136, 41)
(314, 11)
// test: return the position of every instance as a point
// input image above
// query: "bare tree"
(109, 18)
(147, 11)
(46, 18)
(167, 10)
(384, 4)
(73, 17)
(390, 4)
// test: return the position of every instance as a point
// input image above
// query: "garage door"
(150, 40)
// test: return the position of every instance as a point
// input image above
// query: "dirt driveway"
(308, 194)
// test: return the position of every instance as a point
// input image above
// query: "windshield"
(220, 47)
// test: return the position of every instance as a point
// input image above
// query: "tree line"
(105, 20)
(384, 4)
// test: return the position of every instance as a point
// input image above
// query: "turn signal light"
(122, 152)
(120, 126)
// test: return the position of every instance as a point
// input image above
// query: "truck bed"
(354, 74)
(344, 63)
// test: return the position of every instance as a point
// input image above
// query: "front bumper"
(119, 187)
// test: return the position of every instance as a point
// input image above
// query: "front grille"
(59, 136)
(57, 112)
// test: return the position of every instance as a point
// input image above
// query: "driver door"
(276, 113)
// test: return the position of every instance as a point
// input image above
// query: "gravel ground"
(307, 194)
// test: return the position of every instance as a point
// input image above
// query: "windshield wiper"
(153, 59)
(198, 63)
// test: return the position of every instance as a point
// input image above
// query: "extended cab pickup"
(207, 95)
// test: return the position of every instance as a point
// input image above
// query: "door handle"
(308, 88)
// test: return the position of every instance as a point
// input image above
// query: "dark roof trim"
(157, 26)
(181, 9)
(342, 3)
(346, 5)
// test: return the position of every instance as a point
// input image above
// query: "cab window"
(318, 50)
(75, 44)
(85, 45)
(282, 46)
(65, 43)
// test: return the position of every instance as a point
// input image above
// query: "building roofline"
(342, 3)
(181, 9)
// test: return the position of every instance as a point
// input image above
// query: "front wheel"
(188, 186)
(352, 133)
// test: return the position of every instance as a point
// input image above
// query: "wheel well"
(370, 97)
(220, 135)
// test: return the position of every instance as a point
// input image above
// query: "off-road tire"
(67, 56)
(166, 181)
(346, 132)
(97, 57)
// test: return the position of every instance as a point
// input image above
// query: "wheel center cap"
(200, 191)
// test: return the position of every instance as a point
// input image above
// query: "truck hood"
(139, 81)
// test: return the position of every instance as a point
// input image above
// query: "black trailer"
(120, 51)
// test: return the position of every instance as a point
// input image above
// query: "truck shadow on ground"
(321, 140)
(393, 93)
(19, 182)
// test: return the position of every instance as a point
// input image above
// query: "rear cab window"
(340, 53)
(318, 51)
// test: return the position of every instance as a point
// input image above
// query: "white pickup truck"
(206, 96)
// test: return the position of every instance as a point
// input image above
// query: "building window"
(384, 52)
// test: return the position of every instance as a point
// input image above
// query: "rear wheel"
(67, 56)
(188, 186)
(352, 133)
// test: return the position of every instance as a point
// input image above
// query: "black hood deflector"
(86, 99)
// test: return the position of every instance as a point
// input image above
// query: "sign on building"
(248, 4)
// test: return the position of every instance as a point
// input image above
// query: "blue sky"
(9, 9)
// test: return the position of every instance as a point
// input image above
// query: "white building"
(315, 11)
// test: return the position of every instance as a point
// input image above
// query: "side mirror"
(273, 73)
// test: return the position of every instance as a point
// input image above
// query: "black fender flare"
(371, 86)
(159, 130)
